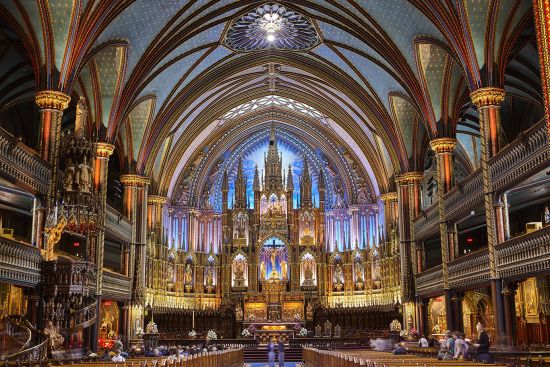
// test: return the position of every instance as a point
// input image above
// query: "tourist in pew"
(461, 347)
(399, 350)
(423, 342)
(118, 357)
(444, 345)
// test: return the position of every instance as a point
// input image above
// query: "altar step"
(260, 355)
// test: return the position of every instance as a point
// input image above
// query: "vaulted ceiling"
(385, 77)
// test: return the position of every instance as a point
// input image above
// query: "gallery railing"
(19, 262)
(430, 281)
(116, 285)
(527, 254)
(470, 269)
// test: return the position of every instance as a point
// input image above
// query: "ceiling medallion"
(271, 27)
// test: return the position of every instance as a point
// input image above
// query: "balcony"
(116, 286)
(469, 270)
(426, 225)
(118, 225)
(430, 282)
(19, 263)
(464, 197)
(524, 255)
(22, 165)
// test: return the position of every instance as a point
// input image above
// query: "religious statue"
(188, 274)
(308, 271)
(338, 274)
(239, 270)
(56, 339)
(262, 270)
(284, 270)
(210, 277)
(238, 313)
(69, 175)
(80, 120)
(359, 273)
(83, 176)
(309, 311)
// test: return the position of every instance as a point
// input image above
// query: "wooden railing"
(529, 253)
(179, 339)
(19, 263)
(19, 162)
(118, 225)
(28, 352)
(116, 285)
(471, 269)
(430, 281)
(80, 319)
(329, 343)
(522, 158)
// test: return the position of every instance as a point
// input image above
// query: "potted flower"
(211, 335)
(403, 333)
(246, 333)
(139, 332)
(192, 334)
(303, 332)
(93, 357)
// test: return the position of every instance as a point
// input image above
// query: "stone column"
(103, 152)
(51, 104)
(488, 102)
(408, 194)
(135, 209)
(541, 11)
(443, 148)
(508, 294)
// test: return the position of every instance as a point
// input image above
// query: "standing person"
(483, 344)
(271, 353)
(281, 352)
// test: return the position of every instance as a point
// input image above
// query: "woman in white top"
(423, 342)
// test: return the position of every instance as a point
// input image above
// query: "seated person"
(423, 342)
(461, 347)
(399, 350)
(118, 357)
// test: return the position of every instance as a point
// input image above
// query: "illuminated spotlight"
(271, 37)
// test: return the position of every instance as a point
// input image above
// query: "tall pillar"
(390, 200)
(488, 102)
(408, 194)
(51, 104)
(135, 209)
(103, 152)
(155, 223)
(443, 148)
(541, 11)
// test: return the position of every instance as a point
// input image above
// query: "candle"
(193, 322)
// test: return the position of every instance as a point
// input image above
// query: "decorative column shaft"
(541, 11)
(103, 152)
(488, 102)
(155, 204)
(51, 104)
(443, 148)
(135, 206)
(391, 274)
(409, 201)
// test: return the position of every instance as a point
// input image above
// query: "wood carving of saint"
(308, 270)
(188, 274)
(284, 269)
(338, 274)
(56, 339)
(263, 272)
(239, 270)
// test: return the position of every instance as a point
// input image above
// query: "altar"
(269, 331)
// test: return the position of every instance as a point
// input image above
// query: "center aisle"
(263, 364)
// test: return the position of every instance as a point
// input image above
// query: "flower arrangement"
(93, 356)
(152, 328)
(211, 335)
(139, 332)
(395, 325)
(436, 329)
(303, 332)
(403, 333)
(246, 333)
(192, 334)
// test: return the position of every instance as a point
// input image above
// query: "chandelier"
(271, 22)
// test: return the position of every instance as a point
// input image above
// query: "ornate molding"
(388, 197)
(491, 96)
(443, 145)
(104, 150)
(409, 178)
(52, 99)
(430, 282)
(19, 263)
(134, 180)
(156, 200)
(469, 270)
(116, 286)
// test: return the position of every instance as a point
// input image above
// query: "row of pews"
(224, 358)
(368, 358)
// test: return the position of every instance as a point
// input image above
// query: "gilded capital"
(443, 145)
(157, 200)
(52, 99)
(491, 96)
(409, 178)
(134, 180)
(389, 197)
(104, 150)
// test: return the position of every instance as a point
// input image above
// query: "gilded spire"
(240, 186)
(256, 184)
(305, 187)
(289, 179)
